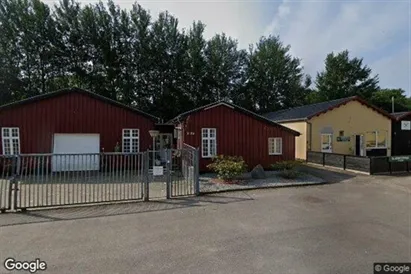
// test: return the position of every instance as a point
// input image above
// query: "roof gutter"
(291, 120)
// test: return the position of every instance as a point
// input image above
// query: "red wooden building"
(73, 121)
(223, 128)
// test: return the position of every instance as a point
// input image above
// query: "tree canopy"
(158, 67)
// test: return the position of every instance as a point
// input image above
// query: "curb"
(263, 187)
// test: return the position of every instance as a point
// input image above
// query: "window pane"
(7, 147)
(6, 132)
(126, 133)
(15, 132)
(135, 132)
(205, 148)
(126, 145)
(370, 139)
(326, 141)
(212, 147)
(205, 132)
(382, 138)
(15, 146)
(134, 145)
(212, 133)
(278, 146)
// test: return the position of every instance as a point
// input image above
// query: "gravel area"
(246, 182)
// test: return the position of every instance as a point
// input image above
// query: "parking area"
(341, 227)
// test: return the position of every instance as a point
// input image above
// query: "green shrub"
(286, 165)
(289, 173)
(228, 167)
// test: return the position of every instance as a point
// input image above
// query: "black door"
(357, 145)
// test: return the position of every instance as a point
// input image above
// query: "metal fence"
(350, 162)
(184, 172)
(7, 165)
(383, 165)
(49, 180)
(56, 180)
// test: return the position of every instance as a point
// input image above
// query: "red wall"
(238, 134)
(72, 113)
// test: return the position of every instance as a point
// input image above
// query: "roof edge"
(78, 90)
(358, 99)
(235, 107)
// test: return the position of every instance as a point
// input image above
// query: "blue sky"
(379, 31)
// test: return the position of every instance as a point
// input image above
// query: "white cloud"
(373, 30)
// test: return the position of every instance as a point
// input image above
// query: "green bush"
(286, 165)
(289, 173)
(228, 167)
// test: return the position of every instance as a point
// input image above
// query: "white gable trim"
(219, 104)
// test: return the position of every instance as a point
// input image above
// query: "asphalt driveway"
(342, 227)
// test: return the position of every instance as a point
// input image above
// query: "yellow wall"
(354, 119)
(300, 141)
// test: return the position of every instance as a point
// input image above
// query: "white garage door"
(76, 144)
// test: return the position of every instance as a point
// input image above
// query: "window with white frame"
(131, 140)
(209, 142)
(10, 140)
(275, 146)
(376, 139)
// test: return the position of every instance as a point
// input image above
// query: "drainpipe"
(310, 134)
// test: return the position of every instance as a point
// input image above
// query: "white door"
(81, 152)
(326, 143)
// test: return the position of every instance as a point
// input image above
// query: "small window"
(275, 146)
(376, 139)
(131, 140)
(10, 140)
(341, 133)
(208, 142)
(326, 142)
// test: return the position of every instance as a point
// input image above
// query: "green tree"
(383, 99)
(274, 78)
(344, 77)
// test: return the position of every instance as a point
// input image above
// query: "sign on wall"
(405, 125)
(343, 139)
(405, 158)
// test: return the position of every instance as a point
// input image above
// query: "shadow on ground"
(330, 176)
(95, 211)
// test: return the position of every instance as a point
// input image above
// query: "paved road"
(338, 228)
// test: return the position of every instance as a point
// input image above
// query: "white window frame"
(330, 143)
(131, 138)
(10, 138)
(272, 145)
(376, 141)
(209, 140)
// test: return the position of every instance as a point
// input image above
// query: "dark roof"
(182, 116)
(78, 90)
(309, 111)
(400, 115)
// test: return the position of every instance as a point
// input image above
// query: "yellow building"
(349, 126)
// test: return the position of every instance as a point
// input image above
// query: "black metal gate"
(172, 173)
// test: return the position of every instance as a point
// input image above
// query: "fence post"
(371, 166)
(197, 172)
(146, 175)
(345, 161)
(169, 167)
(323, 159)
(13, 182)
